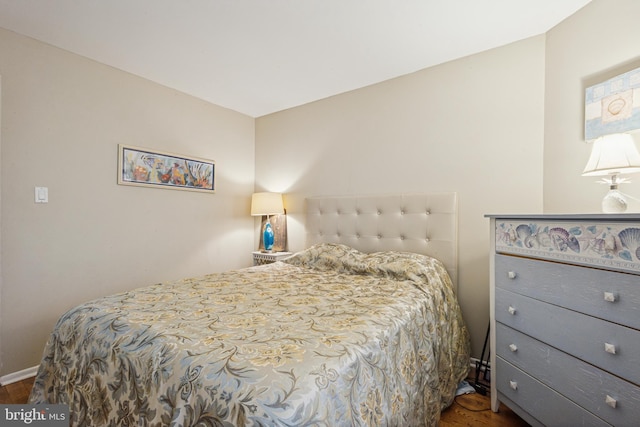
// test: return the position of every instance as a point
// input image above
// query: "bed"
(336, 335)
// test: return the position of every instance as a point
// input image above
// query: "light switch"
(42, 195)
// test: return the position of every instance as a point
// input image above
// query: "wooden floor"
(16, 392)
(469, 410)
(474, 410)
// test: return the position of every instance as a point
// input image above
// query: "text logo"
(34, 415)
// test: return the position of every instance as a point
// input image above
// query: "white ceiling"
(263, 56)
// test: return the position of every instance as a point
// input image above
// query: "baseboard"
(474, 361)
(18, 376)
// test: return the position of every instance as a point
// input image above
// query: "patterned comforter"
(328, 337)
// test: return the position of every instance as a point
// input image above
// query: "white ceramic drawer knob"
(610, 401)
(609, 296)
(512, 310)
(512, 274)
(609, 348)
(513, 347)
(513, 385)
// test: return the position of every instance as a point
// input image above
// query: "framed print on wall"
(151, 168)
(613, 106)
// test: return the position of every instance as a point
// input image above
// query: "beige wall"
(474, 126)
(598, 42)
(63, 116)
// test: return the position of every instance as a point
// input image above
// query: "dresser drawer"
(609, 295)
(612, 347)
(549, 406)
(584, 384)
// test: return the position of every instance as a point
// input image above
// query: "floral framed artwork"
(151, 168)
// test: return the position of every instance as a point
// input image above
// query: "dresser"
(565, 318)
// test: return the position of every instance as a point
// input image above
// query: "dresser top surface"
(633, 216)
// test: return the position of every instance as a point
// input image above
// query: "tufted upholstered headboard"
(421, 223)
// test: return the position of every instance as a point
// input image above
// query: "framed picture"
(613, 106)
(151, 168)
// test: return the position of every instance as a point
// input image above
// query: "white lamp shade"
(613, 154)
(266, 204)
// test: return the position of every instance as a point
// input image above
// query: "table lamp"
(267, 204)
(613, 155)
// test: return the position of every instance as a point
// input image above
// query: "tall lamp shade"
(613, 155)
(267, 204)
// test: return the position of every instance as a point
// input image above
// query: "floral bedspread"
(328, 337)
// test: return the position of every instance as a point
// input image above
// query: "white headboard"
(420, 223)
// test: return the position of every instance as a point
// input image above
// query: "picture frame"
(158, 169)
(613, 106)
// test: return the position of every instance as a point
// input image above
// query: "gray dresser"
(565, 318)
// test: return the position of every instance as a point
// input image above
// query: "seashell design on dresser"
(630, 239)
(528, 236)
(611, 244)
(525, 234)
(562, 240)
(508, 236)
(607, 245)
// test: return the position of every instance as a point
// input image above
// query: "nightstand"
(261, 258)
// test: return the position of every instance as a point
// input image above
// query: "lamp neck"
(613, 185)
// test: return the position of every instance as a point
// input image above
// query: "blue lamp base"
(267, 236)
